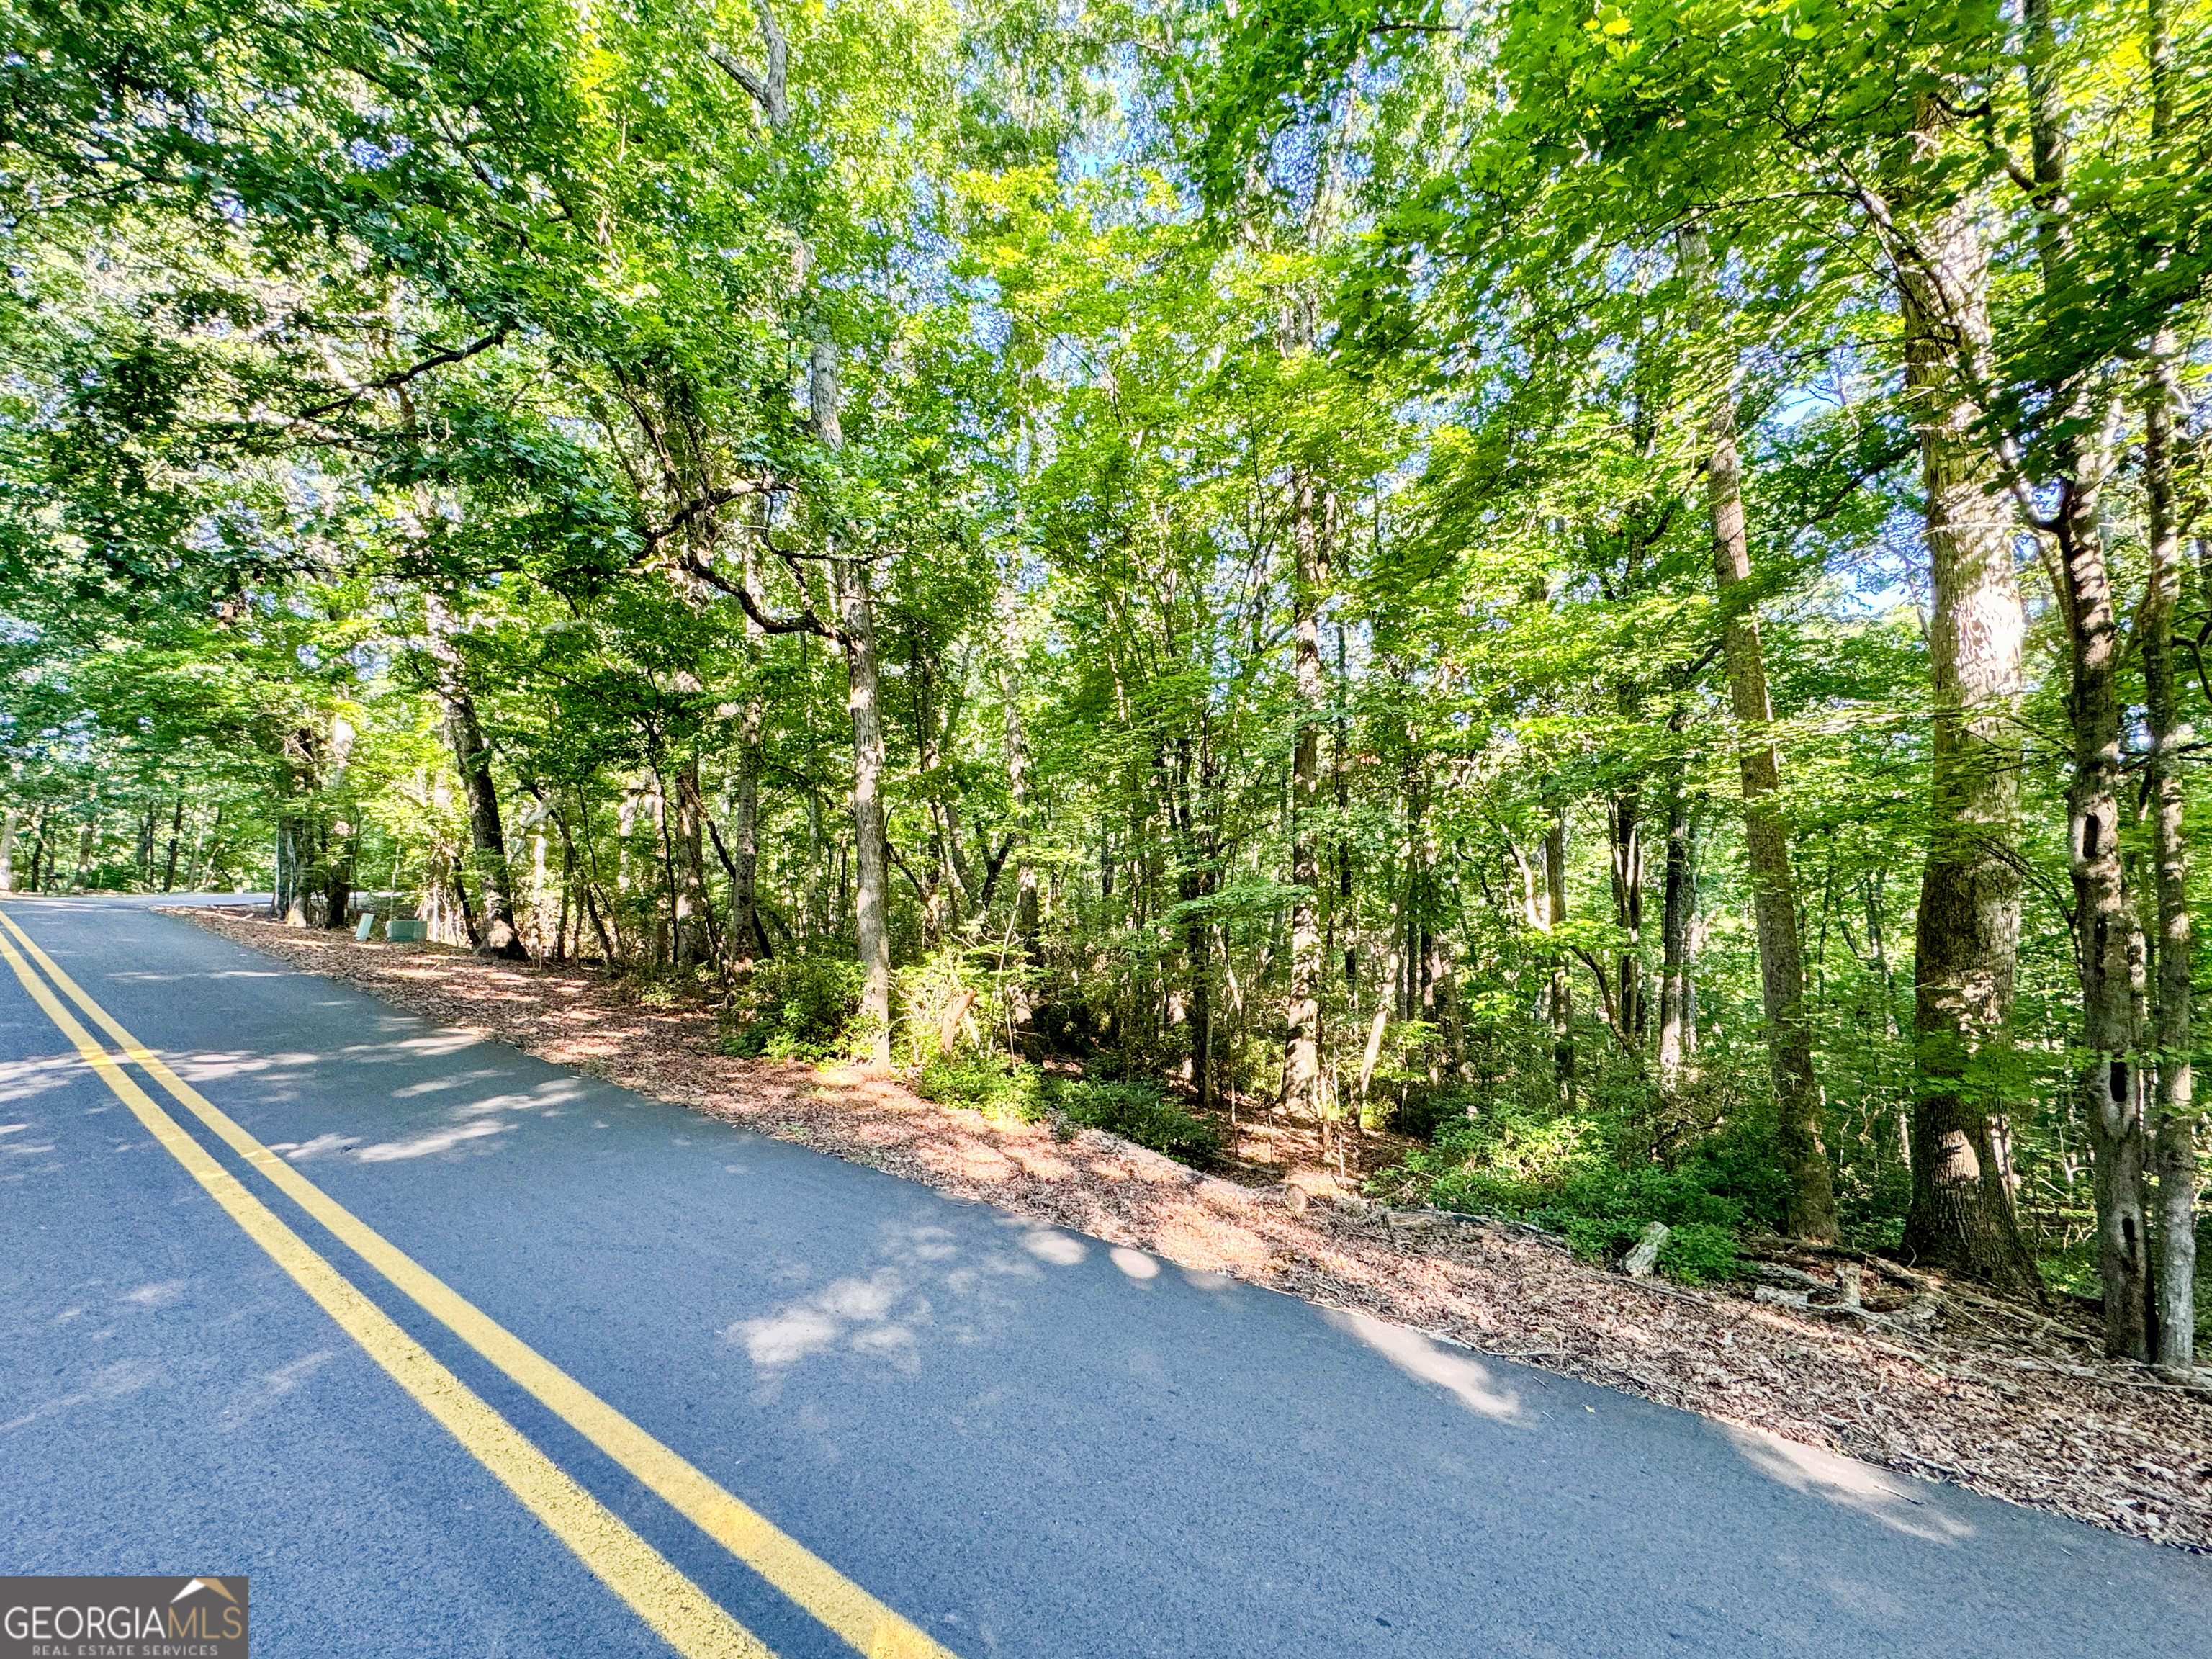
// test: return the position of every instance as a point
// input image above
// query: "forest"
(1603, 603)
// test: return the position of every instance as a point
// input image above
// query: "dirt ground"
(1901, 1371)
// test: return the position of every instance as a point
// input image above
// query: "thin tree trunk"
(290, 899)
(1561, 995)
(2175, 1145)
(694, 916)
(1302, 1065)
(176, 834)
(1678, 907)
(857, 621)
(748, 936)
(2174, 1148)
(1967, 936)
(1812, 1206)
(1026, 919)
(214, 851)
(8, 850)
(1624, 839)
(472, 755)
(87, 842)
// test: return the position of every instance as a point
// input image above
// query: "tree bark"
(694, 922)
(749, 941)
(2174, 1146)
(1678, 908)
(1018, 786)
(1301, 1064)
(288, 902)
(1811, 1207)
(863, 702)
(472, 756)
(8, 850)
(1561, 994)
(169, 862)
(2110, 1081)
(1967, 936)
(1624, 820)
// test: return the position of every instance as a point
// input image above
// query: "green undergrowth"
(1572, 1173)
(1016, 1090)
(795, 1008)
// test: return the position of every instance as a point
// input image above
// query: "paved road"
(1024, 1441)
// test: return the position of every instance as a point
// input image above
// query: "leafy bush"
(981, 976)
(798, 1008)
(990, 1084)
(1571, 1173)
(1138, 1112)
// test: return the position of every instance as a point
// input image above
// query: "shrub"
(1138, 1111)
(1571, 1174)
(990, 1084)
(797, 1008)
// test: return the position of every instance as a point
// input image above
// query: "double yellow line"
(689, 1619)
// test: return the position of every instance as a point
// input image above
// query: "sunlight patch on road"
(1898, 1502)
(856, 1313)
(1135, 1263)
(458, 1080)
(1465, 1379)
(1061, 1249)
(439, 1141)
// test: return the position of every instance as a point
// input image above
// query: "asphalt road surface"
(581, 1374)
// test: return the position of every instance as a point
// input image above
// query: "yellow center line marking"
(863, 1622)
(689, 1619)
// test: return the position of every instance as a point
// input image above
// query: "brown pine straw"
(1985, 1394)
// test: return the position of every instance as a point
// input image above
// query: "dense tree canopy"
(1617, 589)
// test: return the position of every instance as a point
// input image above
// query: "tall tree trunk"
(472, 756)
(1561, 995)
(337, 880)
(8, 850)
(1302, 1065)
(2174, 1153)
(289, 901)
(1678, 908)
(870, 927)
(694, 916)
(1812, 1209)
(206, 878)
(169, 862)
(2110, 1082)
(748, 940)
(1968, 931)
(863, 702)
(1625, 838)
(2175, 1144)
(1019, 785)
